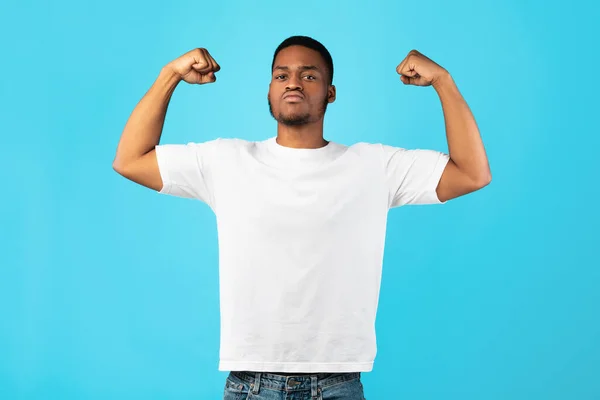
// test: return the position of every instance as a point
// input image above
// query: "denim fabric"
(248, 385)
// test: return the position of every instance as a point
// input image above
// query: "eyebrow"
(302, 68)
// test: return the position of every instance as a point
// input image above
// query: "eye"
(312, 78)
(279, 76)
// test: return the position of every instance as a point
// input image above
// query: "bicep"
(454, 183)
(144, 171)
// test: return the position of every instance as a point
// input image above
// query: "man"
(301, 220)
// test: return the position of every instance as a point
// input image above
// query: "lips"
(293, 96)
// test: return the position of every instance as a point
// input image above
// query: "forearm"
(144, 127)
(465, 146)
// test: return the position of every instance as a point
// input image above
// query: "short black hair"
(311, 44)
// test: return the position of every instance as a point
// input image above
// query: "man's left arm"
(468, 169)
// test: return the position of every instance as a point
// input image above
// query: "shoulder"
(366, 149)
(220, 145)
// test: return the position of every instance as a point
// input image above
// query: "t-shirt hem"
(294, 367)
(437, 176)
(163, 171)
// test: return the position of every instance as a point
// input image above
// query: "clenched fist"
(196, 66)
(418, 70)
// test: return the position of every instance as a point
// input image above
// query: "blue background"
(109, 290)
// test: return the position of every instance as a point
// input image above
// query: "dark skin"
(300, 71)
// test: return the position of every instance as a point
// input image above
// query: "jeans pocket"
(235, 389)
(351, 390)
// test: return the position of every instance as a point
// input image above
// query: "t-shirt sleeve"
(186, 169)
(413, 175)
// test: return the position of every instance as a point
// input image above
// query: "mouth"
(293, 97)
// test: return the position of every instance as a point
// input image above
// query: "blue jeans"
(248, 385)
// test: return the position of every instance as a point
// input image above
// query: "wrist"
(442, 81)
(169, 76)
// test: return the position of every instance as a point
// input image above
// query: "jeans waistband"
(281, 376)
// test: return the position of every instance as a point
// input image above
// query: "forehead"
(294, 56)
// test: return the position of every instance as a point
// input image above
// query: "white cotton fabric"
(301, 237)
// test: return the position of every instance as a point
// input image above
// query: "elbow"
(483, 179)
(118, 167)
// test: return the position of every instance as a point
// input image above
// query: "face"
(299, 90)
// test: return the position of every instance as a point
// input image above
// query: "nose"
(294, 83)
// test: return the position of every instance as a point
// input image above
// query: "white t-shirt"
(301, 236)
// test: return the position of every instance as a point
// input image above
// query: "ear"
(331, 94)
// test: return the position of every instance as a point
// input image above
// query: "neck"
(308, 136)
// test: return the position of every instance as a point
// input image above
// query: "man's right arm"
(136, 155)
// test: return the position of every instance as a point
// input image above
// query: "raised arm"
(136, 156)
(468, 169)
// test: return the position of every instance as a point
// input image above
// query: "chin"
(293, 122)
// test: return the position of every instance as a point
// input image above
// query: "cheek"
(319, 97)
(272, 95)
